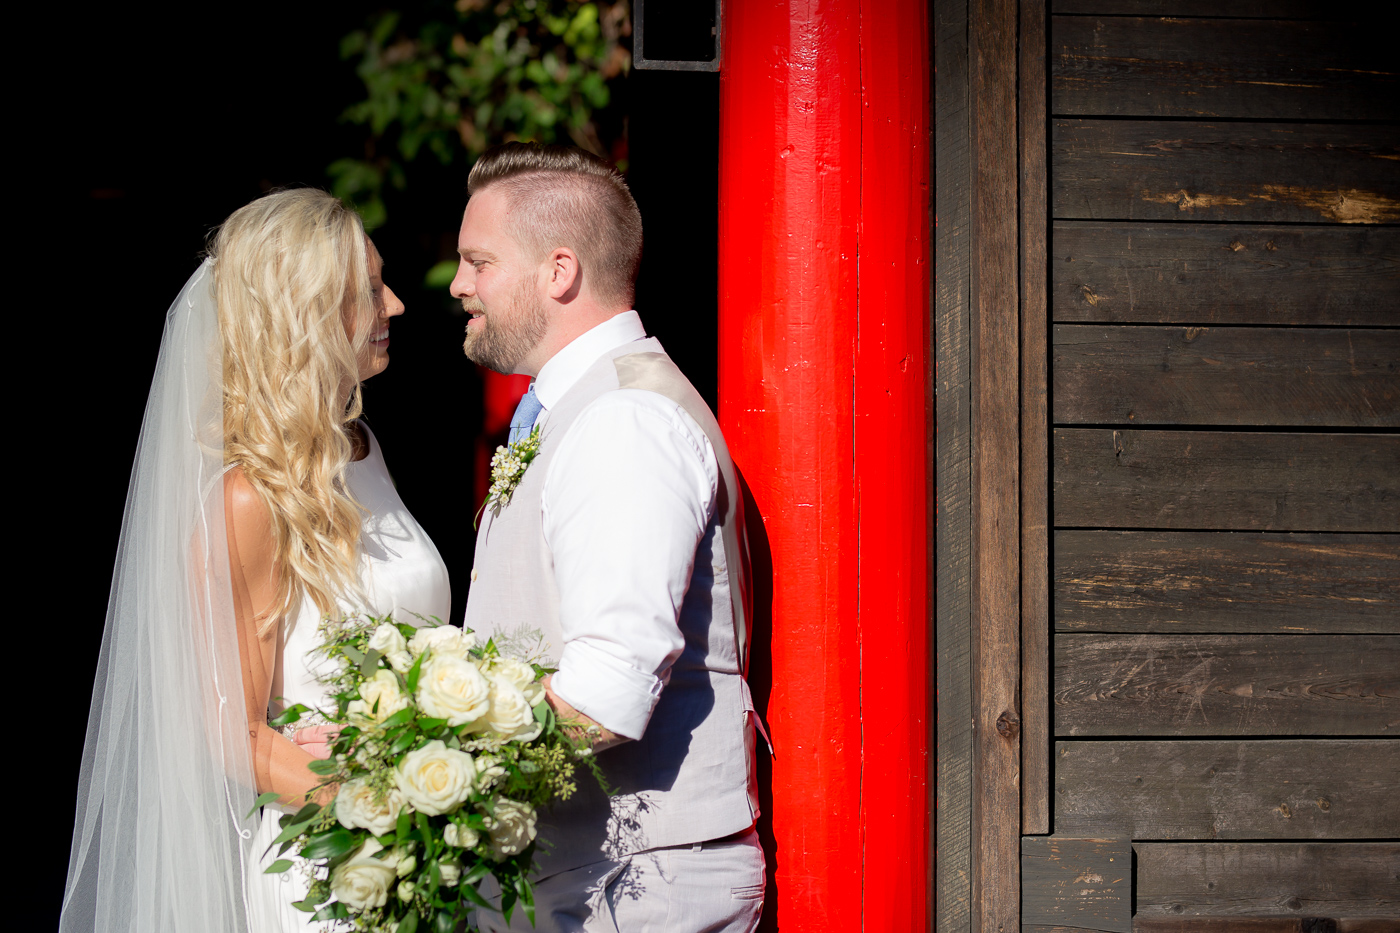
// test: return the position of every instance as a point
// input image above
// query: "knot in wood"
(1008, 726)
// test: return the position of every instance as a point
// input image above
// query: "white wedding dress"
(403, 574)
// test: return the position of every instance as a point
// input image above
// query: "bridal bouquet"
(445, 753)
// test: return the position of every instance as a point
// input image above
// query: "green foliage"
(446, 81)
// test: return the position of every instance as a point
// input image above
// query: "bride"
(258, 505)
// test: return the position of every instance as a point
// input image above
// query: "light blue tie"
(525, 414)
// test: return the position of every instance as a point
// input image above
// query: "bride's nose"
(393, 307)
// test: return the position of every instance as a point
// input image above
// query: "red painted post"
(823, 383)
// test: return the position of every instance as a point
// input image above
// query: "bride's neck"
(359, 442)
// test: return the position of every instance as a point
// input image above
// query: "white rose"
(363, 881)
(355, 807)
(463, 837)
(512, 827)
(382, 689)
(511, 716)
(435, 779)
(445, 640)
(389, 641)
(522, 675)
(451, 873)
(405, 891)
(453, 689)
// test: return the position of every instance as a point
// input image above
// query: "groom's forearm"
(598, 736)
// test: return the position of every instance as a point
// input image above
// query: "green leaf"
(354, 654)
(288, 833)
(336, 911)
(403, 826)
(444, 921)
(329, 845)
(434, 877)
(279, 866)
(263, 800)
(371, 662)
(527, 897)
(409, 923)
(323, 766)
(305, 814)
(401, 718)
(430, 723)
(470, 892)
(508, 898)
(304, 906)
(290, 715)
(411, 678)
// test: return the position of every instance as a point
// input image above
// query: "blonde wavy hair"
(291, 280)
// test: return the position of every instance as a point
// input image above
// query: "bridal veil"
(163, 837)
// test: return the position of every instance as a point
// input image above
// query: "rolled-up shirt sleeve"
(629, 494)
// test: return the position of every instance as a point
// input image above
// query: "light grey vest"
(691, 776)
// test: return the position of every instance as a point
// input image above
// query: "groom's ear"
(564, 275)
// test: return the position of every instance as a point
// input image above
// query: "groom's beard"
(507, 336)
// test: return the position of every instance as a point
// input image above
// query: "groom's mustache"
(473, 306)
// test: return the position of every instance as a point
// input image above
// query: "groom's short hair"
(561, 196)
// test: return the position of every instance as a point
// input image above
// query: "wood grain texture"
(1266, 925)
(1270, 9)
(1234, 376)
(952, 300)
(1261, 69)
(1225, 480)
(1334, 879)
(1255, 685)
(1084, 884)
(1252, 173)
(1213, 274)
(1205, 790)
(1177, 582)
(996, 591)
(1035, 428)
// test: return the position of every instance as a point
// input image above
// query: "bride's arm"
(278, 763)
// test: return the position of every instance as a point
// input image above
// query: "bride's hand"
(316, 740)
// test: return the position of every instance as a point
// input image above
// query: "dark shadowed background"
(145, 132)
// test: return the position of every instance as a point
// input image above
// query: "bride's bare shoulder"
(247, 516)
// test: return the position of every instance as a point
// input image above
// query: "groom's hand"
(578, 725)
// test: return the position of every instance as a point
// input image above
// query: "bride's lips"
(380, 338)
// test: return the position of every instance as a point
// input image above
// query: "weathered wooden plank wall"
(1224, 289)
(1349, 879)
(1187, 581)
(1240, 789)
(952, 283)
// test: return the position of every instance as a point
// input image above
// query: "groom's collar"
(565, 367)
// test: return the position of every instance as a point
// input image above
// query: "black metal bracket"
(639, 59)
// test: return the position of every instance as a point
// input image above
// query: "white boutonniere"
(508, 465)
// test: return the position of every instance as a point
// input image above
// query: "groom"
(622, 545)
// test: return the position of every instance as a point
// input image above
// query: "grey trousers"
(711, 887)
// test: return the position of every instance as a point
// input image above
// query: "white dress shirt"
(630, 491)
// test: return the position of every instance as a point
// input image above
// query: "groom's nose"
(464, 282)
